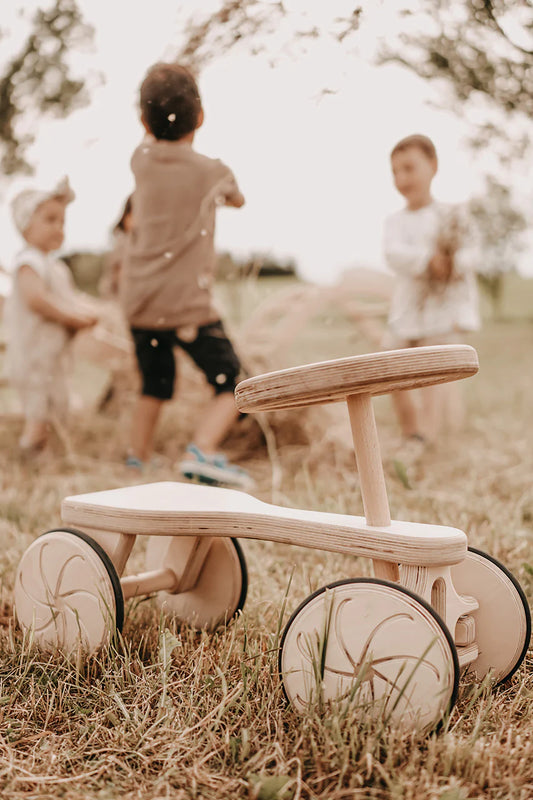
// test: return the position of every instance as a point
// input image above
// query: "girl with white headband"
(42, 312)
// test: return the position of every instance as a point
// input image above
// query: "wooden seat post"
(370, 468)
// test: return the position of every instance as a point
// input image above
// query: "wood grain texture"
(372, 373)
(368, 457)
(184, 509)
(371, 477)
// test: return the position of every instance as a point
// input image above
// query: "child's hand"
(82, 321)
(89, 321)
(441, 266)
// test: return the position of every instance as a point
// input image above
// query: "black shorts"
(211, 351)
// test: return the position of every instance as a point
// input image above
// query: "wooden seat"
(184, 509)
(373, 374)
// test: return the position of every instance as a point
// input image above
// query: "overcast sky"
(313, 166)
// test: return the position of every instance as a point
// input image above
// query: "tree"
(38, 80)
(253, 22)
(499, 225)
(480, 49)
(476, 45)
(483, 51)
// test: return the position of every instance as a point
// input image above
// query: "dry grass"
(172, 713)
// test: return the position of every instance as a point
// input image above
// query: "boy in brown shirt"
(169, 270)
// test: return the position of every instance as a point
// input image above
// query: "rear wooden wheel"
(503, 619)
(220, 591)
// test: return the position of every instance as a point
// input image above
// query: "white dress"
(37, 353)
(418, 309)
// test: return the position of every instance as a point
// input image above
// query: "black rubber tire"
(244, 572)
(110, 568)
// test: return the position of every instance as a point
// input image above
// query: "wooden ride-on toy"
(434, 607)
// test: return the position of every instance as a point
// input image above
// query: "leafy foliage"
(38, 80)
(476, 46)
(253, 22)
(483, 51)
(480, 49)
(499, 223)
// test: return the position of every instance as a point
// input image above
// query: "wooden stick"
(370, 468)
(148, 582)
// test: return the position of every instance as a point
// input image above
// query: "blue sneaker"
(214, 470)
(134, 463)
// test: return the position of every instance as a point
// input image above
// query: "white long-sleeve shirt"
(410, 240)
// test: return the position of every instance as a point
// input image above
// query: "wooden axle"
(119, 546)
(180, 573)
(156, 580)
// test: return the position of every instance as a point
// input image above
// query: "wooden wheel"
(373, 641)
(220, 591)
(67, 592)
(503, 619)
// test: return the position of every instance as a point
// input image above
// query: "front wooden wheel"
(67, 592)
(375, 643)
(503, 619)
(220, 591)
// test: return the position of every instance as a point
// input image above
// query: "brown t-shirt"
(170, 260)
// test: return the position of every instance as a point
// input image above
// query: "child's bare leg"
(34, 435)
(145, 417)
(218, 419)
(441, 401)
(406, 412)
(454, 412)
(432, 411)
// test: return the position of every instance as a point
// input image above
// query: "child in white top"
(42, 312)
(435, 298)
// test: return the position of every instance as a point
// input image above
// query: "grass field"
(173, 713)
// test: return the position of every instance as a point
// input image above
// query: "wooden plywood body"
(184, 509)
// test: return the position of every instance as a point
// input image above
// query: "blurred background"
(303, 101)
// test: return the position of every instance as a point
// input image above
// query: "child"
(435, 297)
(42, 313)
(108, 286)
(169, 271)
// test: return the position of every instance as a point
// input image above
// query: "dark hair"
(126, 211)
(420, 142)
(170, 101)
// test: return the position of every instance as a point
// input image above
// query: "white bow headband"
(24, 205)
